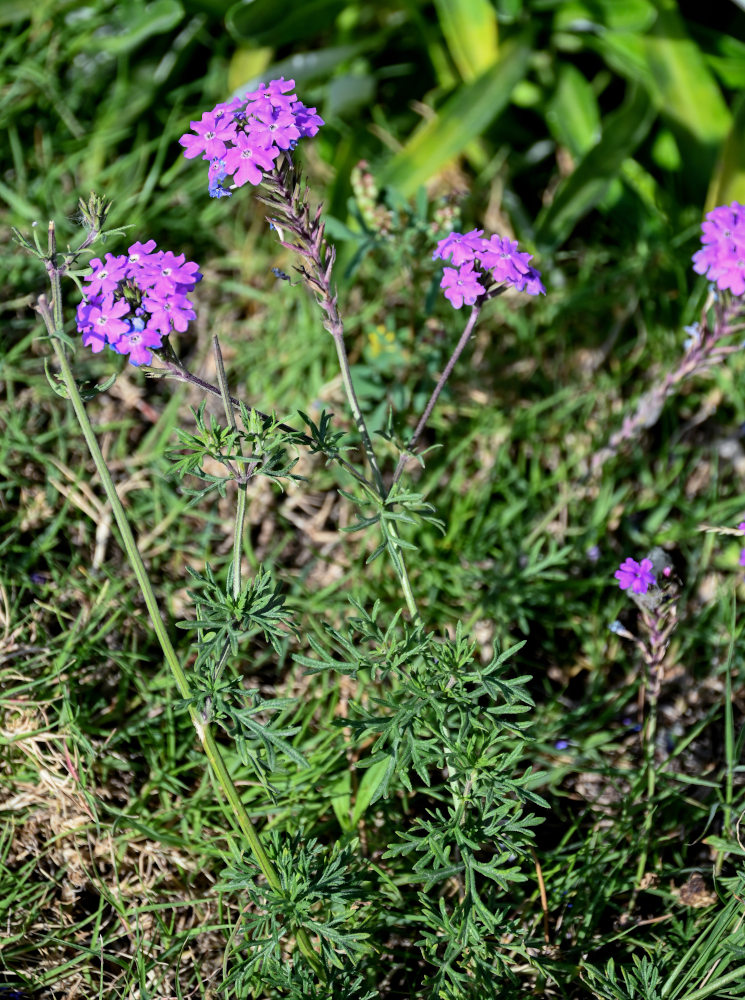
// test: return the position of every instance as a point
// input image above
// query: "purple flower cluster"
(243, 137)
(134, 300)
(637, 576)
(480, 265)
(722, 257)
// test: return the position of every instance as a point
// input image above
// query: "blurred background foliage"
(574, 114)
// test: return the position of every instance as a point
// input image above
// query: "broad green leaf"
(585, 187)
(302, 67)
(465, 116)
(665, 151)
(631, 15)
(685, 89)
(280, 22)
(644, 185)
(726, 56)
(672, 68)
(371, 779)
(247, 64)
(152, 19)
(470, 31)
(728, 180)
(508, 10)
(340, 795)
(15, 10)
(573, 114)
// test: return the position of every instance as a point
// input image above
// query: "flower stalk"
(52, 317)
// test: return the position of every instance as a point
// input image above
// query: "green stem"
(729, 740)
(177, 371)
(284, 195)
(53, 321)
(240, 510)
(359, 419)
(446, 373)
(650, 735)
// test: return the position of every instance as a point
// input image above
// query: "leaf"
(152, 19)
(728, 180)
(685, 90)
(673, 70)
(280, 22)
(340, 795)
(573, 114)
(470, 31)
(465, 116)
(585, 187)
(370, 783)
(631, 15)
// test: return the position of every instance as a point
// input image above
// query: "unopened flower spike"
(135, 300)
(242, 139)
(484, 267)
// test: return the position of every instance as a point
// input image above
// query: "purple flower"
(215, 178)
(531, 282)
(134, 300)
(501, 257)
(275, 94)
(462, 285)
(164, 272)
(169, 312)
(215, 129)
(461, 248)
(136, 257)
(251, 153)
(138, 341)
(277, 126)
(106, 276)
(722, 257)
(244, 137)
(104, 323)
(307, 121)
(638, 576)
(494, 262)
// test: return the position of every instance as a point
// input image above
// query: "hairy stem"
(447, 371)
(53, 321)
(291, 203)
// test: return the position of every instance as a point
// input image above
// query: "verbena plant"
(434, 727)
